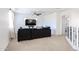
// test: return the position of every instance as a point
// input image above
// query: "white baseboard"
(6, 46)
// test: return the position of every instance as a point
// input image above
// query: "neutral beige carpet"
(53, 43)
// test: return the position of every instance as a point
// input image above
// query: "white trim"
(6, 45)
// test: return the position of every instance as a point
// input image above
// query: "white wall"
(20, 20)
(58, 24)
(4, 28)
(53, 20)
(75, 17)
(50, 20)
(44, 20)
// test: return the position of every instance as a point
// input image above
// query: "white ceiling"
(37, 10)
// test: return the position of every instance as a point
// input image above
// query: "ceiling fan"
(37, 14)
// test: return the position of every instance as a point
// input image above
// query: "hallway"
(53, 43)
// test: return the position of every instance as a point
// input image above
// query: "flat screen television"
(30, 22)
